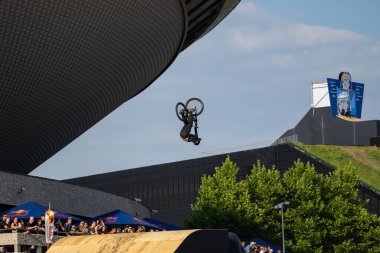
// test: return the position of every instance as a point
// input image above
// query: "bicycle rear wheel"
(180, 106)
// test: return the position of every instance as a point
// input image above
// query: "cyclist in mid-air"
(188, 113)
(188, 120)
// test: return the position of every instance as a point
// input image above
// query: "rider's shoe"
(197, 141)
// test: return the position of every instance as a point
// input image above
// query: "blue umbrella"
(162, 225)
(24, 211)
(118, 217)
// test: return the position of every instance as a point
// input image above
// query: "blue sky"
(253, 72)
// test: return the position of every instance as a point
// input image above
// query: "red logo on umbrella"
(110, 219)
(19, 213)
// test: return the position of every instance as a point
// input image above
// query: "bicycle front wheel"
(197, 104)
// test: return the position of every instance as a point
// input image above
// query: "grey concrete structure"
(17, 189)
(318, 126)
(65, 65)
(18, 239)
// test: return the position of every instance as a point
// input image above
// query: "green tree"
(349, 226)
(304, 217)
(265, 190)
(325, 212)
(222, 202)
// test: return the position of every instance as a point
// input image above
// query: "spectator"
(40, 226)
(16, 224)
(8, 223)
(81, 226)
(113, 231)
(129, 229)
(59, 226)
(251, 247)
(92, 229)
(103, 231)
(43, 221)
(22, 224)
(74, 230)
(31, 225)
(140, 229)
(2, 221)
(68, 225)
(99, 225)
(85, 230)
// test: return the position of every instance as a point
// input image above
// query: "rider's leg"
(185, 132)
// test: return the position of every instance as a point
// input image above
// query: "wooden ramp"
(183, 241)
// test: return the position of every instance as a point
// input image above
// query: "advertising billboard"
(346, 97)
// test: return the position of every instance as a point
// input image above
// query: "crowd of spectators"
(254, 247)
(68, 228)
(95, 228)
(6, 223)
(37, 226)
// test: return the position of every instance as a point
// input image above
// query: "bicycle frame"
(195, 120)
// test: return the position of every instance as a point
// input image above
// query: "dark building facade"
(318, 126)
(65, 65)
(77, 200)
(171, 188)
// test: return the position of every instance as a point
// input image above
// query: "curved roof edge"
(204, 15)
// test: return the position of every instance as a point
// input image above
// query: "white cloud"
(287, 35)
(246, 8)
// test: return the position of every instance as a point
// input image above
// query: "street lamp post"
(281, 206)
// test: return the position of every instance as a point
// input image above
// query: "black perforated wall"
(64, 65)
(172, 187)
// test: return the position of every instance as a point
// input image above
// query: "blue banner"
(346, 97)
(359, 91)
(333, 84)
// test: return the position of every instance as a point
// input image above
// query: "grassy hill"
(365, 160)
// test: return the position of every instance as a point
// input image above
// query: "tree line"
(325, 213)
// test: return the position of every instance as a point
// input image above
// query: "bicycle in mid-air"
(188, 113)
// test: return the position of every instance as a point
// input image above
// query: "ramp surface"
(184, 241)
